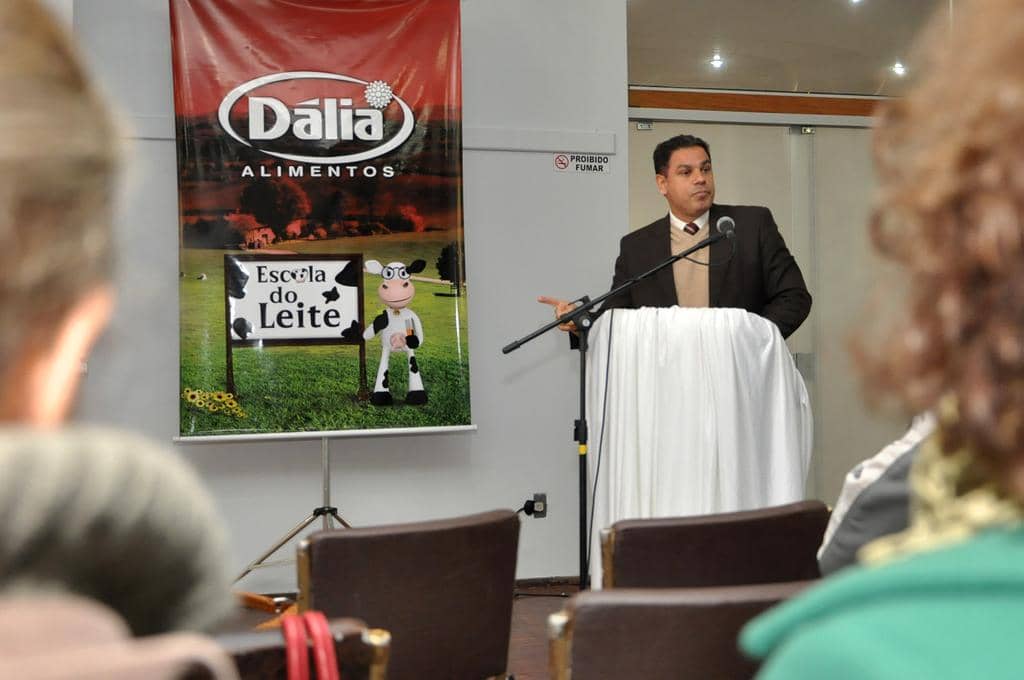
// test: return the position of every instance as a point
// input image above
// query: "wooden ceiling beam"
(753, 102)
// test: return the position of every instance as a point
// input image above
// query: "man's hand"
(562, 307)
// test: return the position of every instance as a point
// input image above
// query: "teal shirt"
(956, 612)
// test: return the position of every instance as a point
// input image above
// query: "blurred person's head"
(91, 512)
(58, 154)
(950, 161)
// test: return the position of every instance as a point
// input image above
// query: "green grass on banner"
(309, 388)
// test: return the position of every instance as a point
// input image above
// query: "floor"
(528, 646)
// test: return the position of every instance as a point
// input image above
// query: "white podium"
(692, 411)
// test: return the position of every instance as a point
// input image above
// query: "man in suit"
(753, 271)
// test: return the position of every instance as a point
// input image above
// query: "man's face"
(688, 183)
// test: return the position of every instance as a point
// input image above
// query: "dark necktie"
(691, 228)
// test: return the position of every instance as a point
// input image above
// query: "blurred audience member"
(82, 511)
(945, 598)
(874, 500)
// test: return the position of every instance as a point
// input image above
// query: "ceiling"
(820, 46)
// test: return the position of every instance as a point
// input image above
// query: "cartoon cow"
(399, 328)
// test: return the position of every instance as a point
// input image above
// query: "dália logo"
(325, 120)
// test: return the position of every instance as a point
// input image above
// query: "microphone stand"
(583, 316)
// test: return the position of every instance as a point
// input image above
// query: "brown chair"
(769, 545)
(658, 634)
(260, 655)
(442, 588)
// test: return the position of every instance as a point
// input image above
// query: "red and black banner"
(319, 172)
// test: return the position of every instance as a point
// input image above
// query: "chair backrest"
(362, 653)
(658, 634)
(443, 589)
(769, 545)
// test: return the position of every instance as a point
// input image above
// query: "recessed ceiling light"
(899, 69)
(854, 2)
(717, 61)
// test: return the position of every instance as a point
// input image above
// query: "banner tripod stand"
(326, 511)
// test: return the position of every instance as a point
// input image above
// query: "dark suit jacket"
(761, 277)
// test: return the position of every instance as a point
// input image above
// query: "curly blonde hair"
(950, 158)
(58, 156)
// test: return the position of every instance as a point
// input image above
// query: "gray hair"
(113, 517)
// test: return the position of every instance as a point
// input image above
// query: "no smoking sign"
(586, 163)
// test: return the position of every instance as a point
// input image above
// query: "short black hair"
(663, 152)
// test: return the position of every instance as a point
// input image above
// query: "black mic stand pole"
(583, 317)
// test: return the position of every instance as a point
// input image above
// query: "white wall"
(61, 9)
(849, 278)
(543, 75)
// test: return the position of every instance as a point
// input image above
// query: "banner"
(322, 281)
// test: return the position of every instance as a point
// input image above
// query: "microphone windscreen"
(726, 225)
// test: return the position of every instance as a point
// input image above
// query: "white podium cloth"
(705, 413)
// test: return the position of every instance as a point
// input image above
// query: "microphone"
(726, 226)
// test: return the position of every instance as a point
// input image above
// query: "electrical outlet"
(540, 505)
